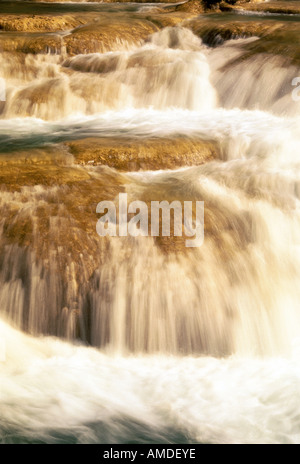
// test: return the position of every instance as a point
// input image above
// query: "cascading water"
(217, 327)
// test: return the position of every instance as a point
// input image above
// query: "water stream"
(137, 340)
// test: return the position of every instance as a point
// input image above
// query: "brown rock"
(108, 34)
(41, 23)
(150, 154)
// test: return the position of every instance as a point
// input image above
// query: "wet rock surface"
(134, 155)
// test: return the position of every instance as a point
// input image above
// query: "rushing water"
(160, 343)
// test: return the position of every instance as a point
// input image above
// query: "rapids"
(140, 340)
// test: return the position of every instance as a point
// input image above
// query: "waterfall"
(115, 339)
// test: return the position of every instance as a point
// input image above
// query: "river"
(140, 339)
